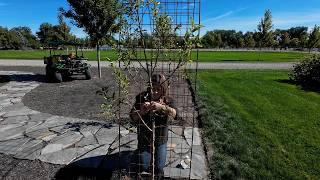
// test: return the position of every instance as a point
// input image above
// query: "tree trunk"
(98, 58)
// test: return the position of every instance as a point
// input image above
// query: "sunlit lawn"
(204, 56)
(260, 126)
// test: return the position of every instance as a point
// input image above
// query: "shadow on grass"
(307, 88)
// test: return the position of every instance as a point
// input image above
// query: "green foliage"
(249, 40)
(307, 72)
(212, 40)
(259, 126)
(11, 39)
(265, 30)
(54, 33)
(28, 39)
(285, 40)
(314, 38)
(96, 17)
(234, 39)
(136, 43)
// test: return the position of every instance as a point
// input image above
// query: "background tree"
(9, 39)
(46, 33)
(314, 38)
(63, 29)
(4, 38)
(285, 40)
(299, 33)
(96, 17)
(249, 40)
(295, 43)
(265, 30)
(208, 39)
(27, 38)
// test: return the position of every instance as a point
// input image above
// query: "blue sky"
(216, 14)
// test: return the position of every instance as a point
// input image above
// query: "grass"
(204, 56)
(259, 126)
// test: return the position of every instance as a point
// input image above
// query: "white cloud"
(226, 14)
(220, 16)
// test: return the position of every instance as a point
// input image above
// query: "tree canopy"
(314, 38)
(96, 17)
(265, 29)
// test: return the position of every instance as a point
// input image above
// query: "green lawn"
(203, 56)
(259, 126)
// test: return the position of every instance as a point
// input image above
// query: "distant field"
(260, 126)
(216, 56)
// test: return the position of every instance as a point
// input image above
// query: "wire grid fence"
(157, 50)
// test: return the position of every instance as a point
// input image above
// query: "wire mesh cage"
(157, 75)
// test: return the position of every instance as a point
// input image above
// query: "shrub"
(307, 72)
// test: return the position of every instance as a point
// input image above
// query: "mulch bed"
(79, 98)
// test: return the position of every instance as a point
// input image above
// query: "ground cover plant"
(204, 56)
(259, 126)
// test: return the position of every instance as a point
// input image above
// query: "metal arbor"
(159, 37)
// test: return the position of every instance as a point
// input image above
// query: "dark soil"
(78, 98)
(11, 168)
(75, 98)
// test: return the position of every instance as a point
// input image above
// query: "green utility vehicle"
(61, 67)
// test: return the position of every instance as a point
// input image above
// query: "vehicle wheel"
(65, 76)
(57, 76)
(87, 73)
(49, 73)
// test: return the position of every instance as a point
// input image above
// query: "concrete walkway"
(214, 65)
(32, 135)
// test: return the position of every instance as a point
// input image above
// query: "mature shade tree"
(249, 40)
(314, 38)
(212, 39)
(26, 37)
(96, 17)
(239, 40)
(285, 40)
(47, 33)
(218, 40)
(265, 30)
(4, 38)
(241, 43)
(208, 39)
(64, 31)
(300, 33)
(295, 43)
(9, 39)
(55, 33)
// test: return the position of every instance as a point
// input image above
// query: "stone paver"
(29, 134)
